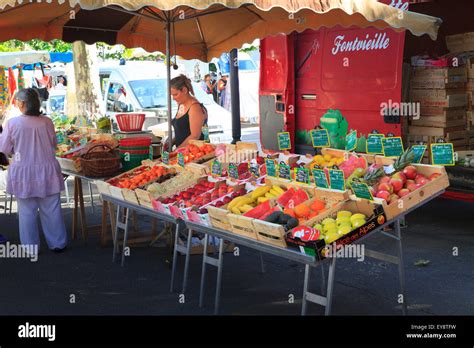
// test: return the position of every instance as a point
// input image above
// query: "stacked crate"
(470, 105)
(442, 97)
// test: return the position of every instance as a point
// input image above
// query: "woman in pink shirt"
(34, 176)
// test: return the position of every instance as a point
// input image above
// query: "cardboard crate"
(460, 42)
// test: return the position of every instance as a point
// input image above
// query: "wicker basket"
(100, 164)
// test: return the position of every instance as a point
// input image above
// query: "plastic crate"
(135, 142)
(130, 122)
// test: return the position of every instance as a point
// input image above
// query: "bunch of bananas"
(243, 204)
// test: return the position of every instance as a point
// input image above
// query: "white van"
(140, 86)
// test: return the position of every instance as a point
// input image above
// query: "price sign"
(302, 175)
(205, 133)
(181, 159)
(254, 170)
(59, 138)
(165, 157)
(442, 154)
(271, 167)
(233, 171)
(167, 209)
(374, 143)
(83, 141)
(336, 180)
(361, 190)
(320, 138)
(150, 153)
(320, 178)
(284, 142)
(419, 151)
(351, 141)
(284, 171)
(392, 146)
(216, 168)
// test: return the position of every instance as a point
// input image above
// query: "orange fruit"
(290, 212)
(317, 205)
(302, 210)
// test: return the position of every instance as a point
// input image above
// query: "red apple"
(434, 176)
(421, 179)
(385, 186)
(400, 175)
(403, 192)
(412, 186)
(397, 184)
(383, 194)
(410, 172)
(385, 179)
(410, 182)
(393, 197)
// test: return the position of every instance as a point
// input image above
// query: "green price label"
(336, 180)
(320, 138)
(181, 159)
(83, 141)
(351, 141)
(205, 132)
(302, 175)
(442, 154)
(165, 157)
(419, 151)
(233, 171)
(320, 178)
(284, 142)
(374, 143)
(361, 190)
(271, 167)
(60, 138)
(392, 147)
(150, 153)
(254, 170)
(284, 171)
(216, 168)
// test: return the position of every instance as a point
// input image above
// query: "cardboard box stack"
(441, 94)
(463, 44)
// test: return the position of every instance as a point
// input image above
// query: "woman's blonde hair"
(182, 81)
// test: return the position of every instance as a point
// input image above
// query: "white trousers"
(51, 217)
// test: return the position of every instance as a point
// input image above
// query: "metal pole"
(168, 80)
(234, 95)
(203, 274)
(401, 266)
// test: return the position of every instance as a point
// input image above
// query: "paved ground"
(443, 287)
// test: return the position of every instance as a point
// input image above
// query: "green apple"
(344, 230)
(357, 216)
(358, 222)
(342, 220)
(329, 226)
(328, 220)
(319, 227)
(331, 237)
(343, 213)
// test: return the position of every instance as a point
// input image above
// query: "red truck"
(355, 70)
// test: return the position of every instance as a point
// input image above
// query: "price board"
(216, 168)
(392, 146)
(254, 170)
(165, 157)
(320, 178)
(374, 144)
(361, 190)
(302, 175)
(442, 154)
(233, 171)
(320, 138)
(181, 159)
(419, 151)
(336, 180)
(205, 133)
(271, 167)
(284, 171)
(284, 142)
(351, 141)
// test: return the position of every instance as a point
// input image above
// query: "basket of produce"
(130, 122)
(96, 163)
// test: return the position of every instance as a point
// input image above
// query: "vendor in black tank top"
(191, 115)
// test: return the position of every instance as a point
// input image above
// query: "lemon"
(339, 160)
(318, 159)
(343, 213)
(327, 158)
(344, 230)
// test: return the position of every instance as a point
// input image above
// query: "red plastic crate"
(130, 122)
(141, 141)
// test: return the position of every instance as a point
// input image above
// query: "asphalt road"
(440, 232)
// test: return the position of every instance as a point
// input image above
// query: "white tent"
(9, 59)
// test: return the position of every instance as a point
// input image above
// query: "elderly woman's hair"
(31, 98)
(182, 81)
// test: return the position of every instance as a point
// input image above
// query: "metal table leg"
(401, 266)
(186, 262)
(332, 270)
(125, 235)
(219, 276)
(119, 225)
(91, 197)
(262, 264)
(175, 257)
(203, 272)
(305, 289)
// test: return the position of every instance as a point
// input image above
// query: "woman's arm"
(6, 141)
(196, 121)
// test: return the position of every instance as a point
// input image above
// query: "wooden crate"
(460, 42)
(450, 101)
(441, 112)
(242, 225)
(450, 119)
(420, 195)
(219, 217)
(441, 73)
(270, 233)
(102, 187)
